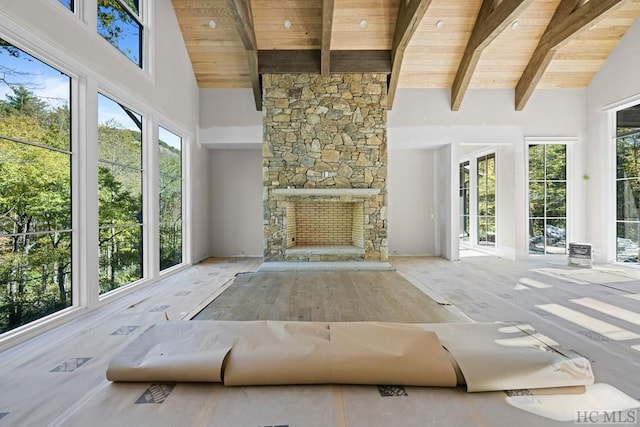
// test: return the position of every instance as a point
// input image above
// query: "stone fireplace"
(325, 167)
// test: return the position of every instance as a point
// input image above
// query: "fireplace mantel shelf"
(324, 192)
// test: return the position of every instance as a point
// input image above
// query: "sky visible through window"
(170, 138)
(47, 83)
(68, 4)
(120, 28)
(20, 69)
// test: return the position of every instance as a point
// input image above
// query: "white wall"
(228, 118)
(448, 209)
(420, 121)
(410, 186)
(236, 202)
(615, 86)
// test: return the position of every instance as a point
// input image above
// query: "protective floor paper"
(174, 351)
(270, 353)
(491, 358)
(275, 353)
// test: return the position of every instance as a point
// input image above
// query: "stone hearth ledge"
(326, 192)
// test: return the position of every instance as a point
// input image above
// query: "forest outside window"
(120, 23)
(119, 194)
(170, 198)
(35, 189)
(486, 179)
(465, 202)
(628, 185)
(548, 199)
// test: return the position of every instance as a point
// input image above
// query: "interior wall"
(235, 202)
(420, 121)
(614, 86)
(448, 210)
(421, 118)
(411, 217)
(511, 200)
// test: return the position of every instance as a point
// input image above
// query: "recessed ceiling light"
(515, 25)
(440, 24)
(363, 23)
(287, 23)
(212, 24)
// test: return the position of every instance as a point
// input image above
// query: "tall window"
(547, 199)
(170, 191)
(465, 202)
(119, 194)
(487, 200)
(35, 188)
(628, 185)
(120, 23)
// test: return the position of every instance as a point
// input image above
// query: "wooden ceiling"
(454, 44)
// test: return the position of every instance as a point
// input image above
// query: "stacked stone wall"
(325, 132)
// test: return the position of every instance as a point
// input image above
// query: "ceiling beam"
(309, 61)
(361, 61)
(570, 18)
(410, 14)
(492, 20)
(243, 18)
(327, 27)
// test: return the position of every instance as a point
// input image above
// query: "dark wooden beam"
(361, 61)
(492, 20)
(327, 27)
(243, 18)
(570, 18)
(410, 14)
(289, 61)
(309, 61)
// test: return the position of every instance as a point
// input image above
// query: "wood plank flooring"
(328, 296)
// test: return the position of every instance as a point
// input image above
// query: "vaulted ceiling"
(453, 44)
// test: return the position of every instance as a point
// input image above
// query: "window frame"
(486, 156)
(465, 199)
(142, 20)
(145, 271)
(72, 5)
(183, 194)
(21, 41)
(615, 180)
(568, 193)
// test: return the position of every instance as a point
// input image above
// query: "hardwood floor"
(58, 377)
(330, 296)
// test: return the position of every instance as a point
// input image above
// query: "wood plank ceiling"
(453, 44)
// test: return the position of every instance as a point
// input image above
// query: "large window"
(465, 202)
(170, 197)
(119, 22)
(35, 189)
(547, 199)
(628, 185)
(486, 200)
(119, 194)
